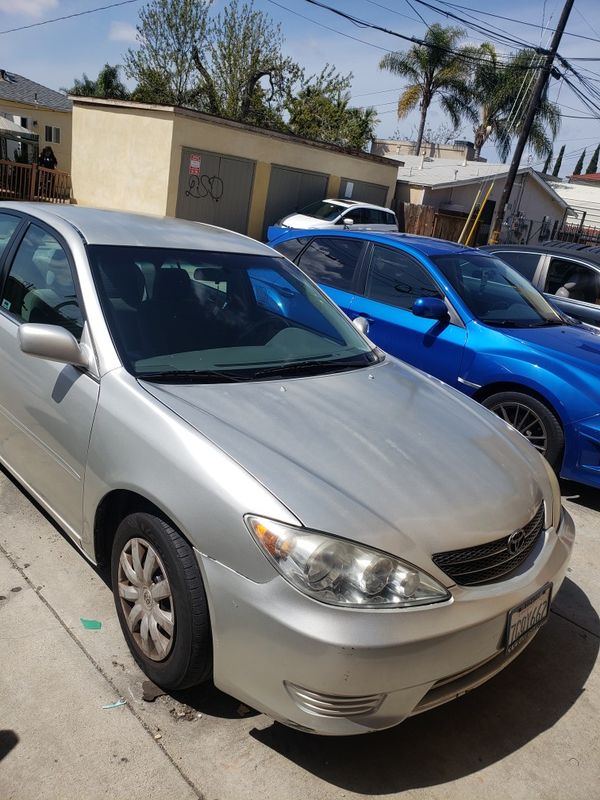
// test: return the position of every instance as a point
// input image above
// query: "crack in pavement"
(576, 624)
(99, 669)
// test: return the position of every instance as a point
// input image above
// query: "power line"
(68, 16)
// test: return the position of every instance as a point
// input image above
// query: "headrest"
(123, 279)
(172, 284)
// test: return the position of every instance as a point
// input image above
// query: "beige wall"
(128, 157)
(43, 117)
(121, 158)
(266, 149)
(401, 147)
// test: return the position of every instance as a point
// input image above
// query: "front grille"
(490, 562)
(331, 705)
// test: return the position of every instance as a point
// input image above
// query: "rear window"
(291, 247)
(332, 261)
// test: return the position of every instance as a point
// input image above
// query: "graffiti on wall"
(201, 186)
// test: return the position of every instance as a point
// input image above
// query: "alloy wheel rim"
(523, 419)
(146, 599)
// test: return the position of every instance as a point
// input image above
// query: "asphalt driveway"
(531, 732)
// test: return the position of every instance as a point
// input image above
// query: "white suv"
(346, 213)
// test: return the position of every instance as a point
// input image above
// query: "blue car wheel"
(533, 419)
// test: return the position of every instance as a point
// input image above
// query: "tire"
(168, 598)
(534, 420)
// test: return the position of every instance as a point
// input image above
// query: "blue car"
(468, 318)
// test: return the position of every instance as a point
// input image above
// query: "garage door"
(215, 188)
(290, 190)
(363, 191)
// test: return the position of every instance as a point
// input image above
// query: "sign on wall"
(195, 161)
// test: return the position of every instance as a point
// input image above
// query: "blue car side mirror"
(430, 307)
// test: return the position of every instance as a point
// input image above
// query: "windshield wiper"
(299, 367)
(189, 376)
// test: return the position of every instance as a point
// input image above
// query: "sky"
(56, 53)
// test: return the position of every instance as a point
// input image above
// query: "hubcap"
(146, 599)
(526, 421)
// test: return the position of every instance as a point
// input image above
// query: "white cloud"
(121, 31)
(32, 8)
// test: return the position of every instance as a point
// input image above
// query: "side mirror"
(361, 324)
(348, 222)
(53, 343)
(431, 308)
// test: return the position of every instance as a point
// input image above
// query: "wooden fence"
(430, 221)
(30, 182)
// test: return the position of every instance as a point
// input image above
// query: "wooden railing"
(30, 182)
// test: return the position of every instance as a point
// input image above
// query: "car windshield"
(323, 210)
(495, 293)
(191, 316)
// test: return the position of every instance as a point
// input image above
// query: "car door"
(334, 263)
(46, 408)
(574, 286)
(393, 281)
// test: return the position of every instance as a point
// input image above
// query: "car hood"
(303, 222)
(385, 456)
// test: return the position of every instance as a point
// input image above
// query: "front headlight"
(555, 489)
(341, 573)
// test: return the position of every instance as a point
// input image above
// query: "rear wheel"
(160, 601)
(533, 419)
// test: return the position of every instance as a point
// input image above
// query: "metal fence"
(30, 182)
(582, 234)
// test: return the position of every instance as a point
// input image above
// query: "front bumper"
(337, 671)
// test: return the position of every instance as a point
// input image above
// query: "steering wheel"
(265, 325)
(66, 303)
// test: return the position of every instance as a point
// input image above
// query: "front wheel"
(160, 601)
(533, 419)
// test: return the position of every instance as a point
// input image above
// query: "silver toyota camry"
(337, 539)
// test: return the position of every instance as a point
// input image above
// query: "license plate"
(527, 616)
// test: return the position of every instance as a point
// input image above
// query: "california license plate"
(527, 616)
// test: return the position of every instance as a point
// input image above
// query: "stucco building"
(182, 163)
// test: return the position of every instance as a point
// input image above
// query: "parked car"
(466, 317)
(344, 213)
(338, 539)
(568, 273)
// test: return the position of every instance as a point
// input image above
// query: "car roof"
(590, 252)
(100, 226)
(343, 201)
(426, 245)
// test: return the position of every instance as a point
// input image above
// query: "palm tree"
(500, 99)
(435, 69)
(107, 84)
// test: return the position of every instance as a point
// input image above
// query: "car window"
(332, 261)
(8, 225)
(390, 219)
(357, 215)
(571, 279)
(397, 279)
(524, 263)
(291, 247)
(40, 286)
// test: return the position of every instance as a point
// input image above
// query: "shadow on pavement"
(585, 496)
(8, 741)
(468, 734)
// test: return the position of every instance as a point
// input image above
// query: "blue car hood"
(575, 344)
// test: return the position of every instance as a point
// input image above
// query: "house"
(453, 186)
(41, 111)
(582, 193)
(182, 163)
(401, 147)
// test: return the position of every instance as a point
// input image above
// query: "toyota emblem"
(516, 542)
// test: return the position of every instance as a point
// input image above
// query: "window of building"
(52, 134)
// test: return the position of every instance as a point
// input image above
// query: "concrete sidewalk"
(532, 732)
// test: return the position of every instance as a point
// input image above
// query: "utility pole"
(540, 84)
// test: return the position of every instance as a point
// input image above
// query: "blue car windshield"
(495, 293)
(192, 316)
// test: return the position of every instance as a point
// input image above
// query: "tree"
(593, 165)
(435, 70)
(169, 33)
(547, 164)
(500, 97)
(579, 164)
(107, 84)
(320, 110)
(243, 73)
(558, 162)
